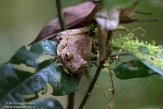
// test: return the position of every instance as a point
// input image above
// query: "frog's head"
(74, 51)
(73, 61)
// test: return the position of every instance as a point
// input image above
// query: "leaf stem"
(60, 16)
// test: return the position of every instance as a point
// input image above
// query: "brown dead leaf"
(127, 15)
(75, 16)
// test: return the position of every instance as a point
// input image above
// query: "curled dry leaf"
(75, 16)
(108, 19)
(74, 49)
(127, 15)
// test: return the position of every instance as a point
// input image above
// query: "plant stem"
(70, 97)
(60, 16)
(112, 81)
(70, 101)
(99, 67)
(91, 85)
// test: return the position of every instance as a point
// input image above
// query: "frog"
(74, 49)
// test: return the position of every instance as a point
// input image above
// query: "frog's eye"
(68, 56)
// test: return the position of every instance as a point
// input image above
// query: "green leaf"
(44, 47)
(149, 54)
(61, 83)
(45, 63)
(29, 57)
(157, 55)
(67, 84)
(49, 103)
(132, 69)
(17, 84)
(10, 77)
(24, 56)
(22, 74)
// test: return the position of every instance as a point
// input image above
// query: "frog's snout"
(82, 67)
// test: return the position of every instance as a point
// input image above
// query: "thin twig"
(70, 101)
(60, 16)
(144, 13)
(91, 85)
(98, 70)
(112, 81)
(70, 97)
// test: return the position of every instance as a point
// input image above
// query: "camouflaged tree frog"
(74, 49)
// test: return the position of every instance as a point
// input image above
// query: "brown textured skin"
(75, 16)
(79, 46)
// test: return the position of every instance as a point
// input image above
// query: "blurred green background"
(21, 21)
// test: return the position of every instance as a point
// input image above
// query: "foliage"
(49, 103)
(139, 60)
(147, 53)
(15, 83)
